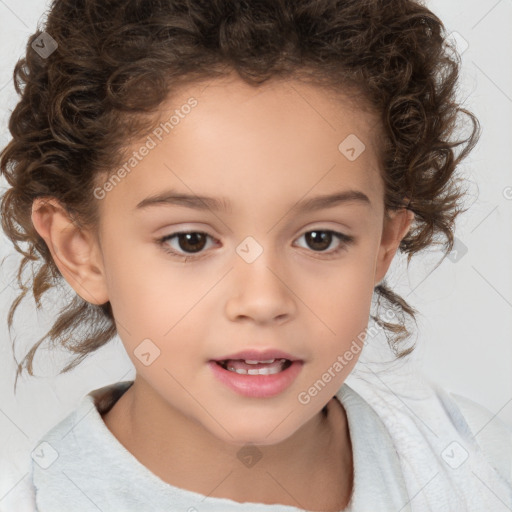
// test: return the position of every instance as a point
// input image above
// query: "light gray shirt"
(413, 451)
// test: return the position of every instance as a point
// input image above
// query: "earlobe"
(395, 228)
(74, 251)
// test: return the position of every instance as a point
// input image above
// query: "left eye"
(321, 239)
(193, 242)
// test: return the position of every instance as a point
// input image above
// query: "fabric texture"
(416, 448)
(449, 461)
(94, 471)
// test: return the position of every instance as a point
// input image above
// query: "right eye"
(191, 242)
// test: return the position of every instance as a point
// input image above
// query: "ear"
(396, 225)
(75, 252)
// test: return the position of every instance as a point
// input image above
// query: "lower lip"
(257, 386)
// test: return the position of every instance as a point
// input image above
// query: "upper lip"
(259, 355)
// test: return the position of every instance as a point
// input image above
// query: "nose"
(260, 291)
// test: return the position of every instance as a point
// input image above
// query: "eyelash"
(345, 240)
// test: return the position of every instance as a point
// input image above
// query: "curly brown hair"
(118, 60)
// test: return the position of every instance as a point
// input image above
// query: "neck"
(184, 454)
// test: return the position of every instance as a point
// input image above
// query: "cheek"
(344, 310)
(342, 305)
(142, 284)
(157, 300)
(342, 296)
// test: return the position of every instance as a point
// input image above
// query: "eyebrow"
(174, 198)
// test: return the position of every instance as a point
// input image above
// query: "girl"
(224, 184)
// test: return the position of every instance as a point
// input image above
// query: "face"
(262, 265)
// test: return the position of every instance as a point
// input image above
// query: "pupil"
(321, 237)
(191, 240)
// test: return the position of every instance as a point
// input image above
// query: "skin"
(263, 150)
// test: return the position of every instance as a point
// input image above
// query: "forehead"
(232, 102)
(280, 139)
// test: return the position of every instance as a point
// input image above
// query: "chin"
(257, 440)
(265, 433)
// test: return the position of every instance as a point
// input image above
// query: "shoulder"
(75, 445)
(491, 433)
(82, 425)
(414, 407)
(21, 497)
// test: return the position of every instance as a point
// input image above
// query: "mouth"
(255, 367)
(257, 376)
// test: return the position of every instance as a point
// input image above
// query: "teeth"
(260, 371)
(274, 366)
